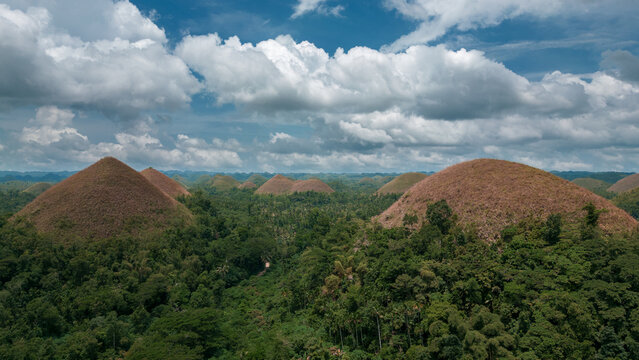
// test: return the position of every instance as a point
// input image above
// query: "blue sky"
(319, 85)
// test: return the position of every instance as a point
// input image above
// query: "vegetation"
(338, 286)
(629, 201)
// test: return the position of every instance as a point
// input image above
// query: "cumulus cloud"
(622, 64)
(319, 6)
(434, 82)
(122, 69)
(53, 140)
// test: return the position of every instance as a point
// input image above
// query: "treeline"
(338, 287)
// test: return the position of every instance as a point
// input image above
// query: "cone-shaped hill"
(224, 182)
(164, 183)
(626, 184)
(102, 200)
(401, 183)
(316, 185)
(37, 188)
(257, 179)
(492, 194)
(247, 185)
(279, 185)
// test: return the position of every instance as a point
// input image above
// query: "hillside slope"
(626, 184)
(492, 194)
(164, 183)
(401, 183)
(102, 200)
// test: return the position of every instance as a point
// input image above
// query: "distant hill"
(18, 185)
(599, 187)
(607, 176)
(626, 184)
(103, 200)
(224, 182)
(279, 185)
(257, 179)
(492, 194)
(315, 185)
(164, 183)
(401, 183)
(37, 188)
(247, 185)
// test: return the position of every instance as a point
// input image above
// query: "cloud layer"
(122, 71)
(409, 106)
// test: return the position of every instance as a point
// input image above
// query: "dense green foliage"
(337, 287)
(629, 201)
(13, 200)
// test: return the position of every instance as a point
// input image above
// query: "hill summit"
(626, 184)
(280, 185)
(164, 183)
(401, 183)
(492, 194)
(103, 200)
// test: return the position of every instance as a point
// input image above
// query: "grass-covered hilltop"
(483, 260)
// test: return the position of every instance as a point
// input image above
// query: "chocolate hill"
(401, 183)
(316, 185)
(247, 185)
(492, 194)
(257, 179)
(164, 183)
(102, 200)
(279, 185)
(626, 184)
(224, 182)
(37, 188)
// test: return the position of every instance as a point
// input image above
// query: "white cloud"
(122, 70)
(282, 75)
(307, 6)
(279, 136)
(54, 140)
(439, 16)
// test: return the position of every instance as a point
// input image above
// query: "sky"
(319, 85)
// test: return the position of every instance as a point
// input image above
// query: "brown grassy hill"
(280, 185)
(102, 200)
(224, 182)
(247, 185)
(37, 188)
(492, 194)
(277, 185)
(401, 183)
(316, 185)
(257, 179)
(626, 184)
(164, 183)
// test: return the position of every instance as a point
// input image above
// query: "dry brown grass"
(277, 185)
(626, 184)
(492, 194)
(316, 185)
(280, 185)
(164, 183)
(401, 183)
(103, 200)
(247, 185)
